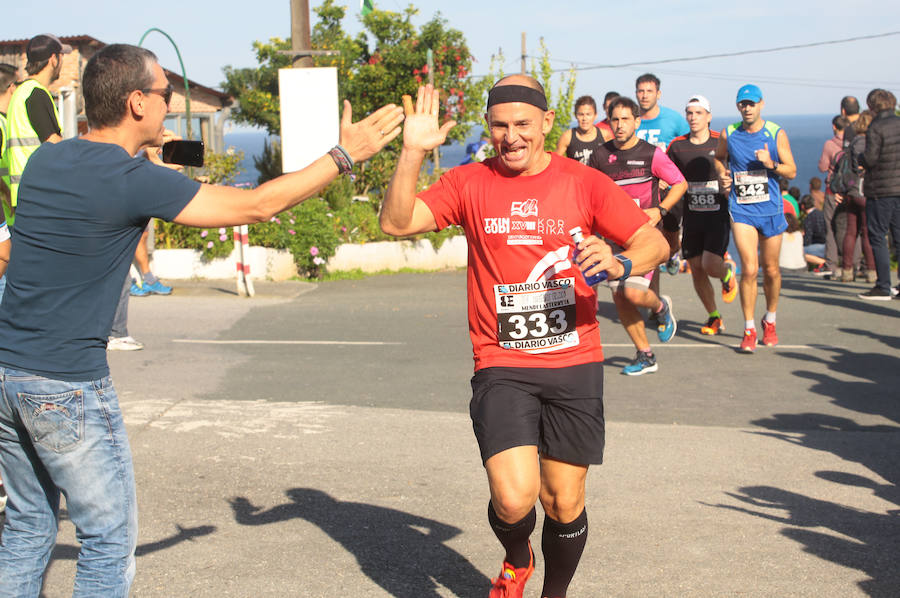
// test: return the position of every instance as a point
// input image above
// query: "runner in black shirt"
(706, 223)
(580, 142)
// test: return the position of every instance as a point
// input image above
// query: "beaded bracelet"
(342, 159)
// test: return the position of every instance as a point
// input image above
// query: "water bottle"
(594, 279)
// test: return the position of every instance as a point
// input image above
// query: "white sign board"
(310, 122)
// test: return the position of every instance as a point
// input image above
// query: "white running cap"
(698, 100)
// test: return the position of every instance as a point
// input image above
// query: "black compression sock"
(562, 545)
(514, 536)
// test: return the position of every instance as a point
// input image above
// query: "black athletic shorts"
(672, 221)
(706, 234)
(559, 410)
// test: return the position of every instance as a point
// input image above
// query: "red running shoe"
(770, 339)
(511, 583)
(748, 344)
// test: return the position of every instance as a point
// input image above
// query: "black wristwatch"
(626, 263)
(662, 211)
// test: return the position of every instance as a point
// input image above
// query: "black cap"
(42, 47)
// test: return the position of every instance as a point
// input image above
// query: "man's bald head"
(524, 80)
(518, 88)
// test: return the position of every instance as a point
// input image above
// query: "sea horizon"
(807, 134)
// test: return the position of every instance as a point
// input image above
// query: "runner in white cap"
(704, 240)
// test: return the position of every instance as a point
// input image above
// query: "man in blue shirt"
(659, 126)
(85, 203)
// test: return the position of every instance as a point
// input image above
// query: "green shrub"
(339, 193)
(212, 242)
(306, 230)
(358, 223)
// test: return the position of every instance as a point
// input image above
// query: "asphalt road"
(314, 441)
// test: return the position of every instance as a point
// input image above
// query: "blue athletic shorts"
(768, 226)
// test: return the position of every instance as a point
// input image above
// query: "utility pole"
(300, 52)
(300, 43)
(524, 52)
(429, 56)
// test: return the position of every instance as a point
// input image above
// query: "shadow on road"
(69, 552)
(867, 541)
(403, 553)
(830, 293)
(184, 534)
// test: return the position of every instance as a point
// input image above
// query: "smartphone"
(184, 152)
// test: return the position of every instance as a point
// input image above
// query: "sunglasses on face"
(746, 103)
(164, 92)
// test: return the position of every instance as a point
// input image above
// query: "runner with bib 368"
(704, 241)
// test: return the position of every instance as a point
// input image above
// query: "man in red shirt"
(537, 405)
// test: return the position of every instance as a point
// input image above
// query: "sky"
(212, 34)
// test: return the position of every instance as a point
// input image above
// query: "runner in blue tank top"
(756, 152)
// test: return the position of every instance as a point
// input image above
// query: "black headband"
(517, 93)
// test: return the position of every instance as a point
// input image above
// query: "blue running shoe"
(665, 320)
(673, 265)
(158, 288)
(137, 291)
(643, 363)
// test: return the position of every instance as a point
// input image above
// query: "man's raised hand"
(421, 132)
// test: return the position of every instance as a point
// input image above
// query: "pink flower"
(203, 234)
(343, 229)
(222, 231)
(313, 250)
(277, 221)
(291, 221)
(209, 245)
(292, 231)
(223, 237)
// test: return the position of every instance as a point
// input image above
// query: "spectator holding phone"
(64, 429)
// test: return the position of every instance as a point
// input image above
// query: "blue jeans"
(883, 215)
(119, 326)
(67, 437)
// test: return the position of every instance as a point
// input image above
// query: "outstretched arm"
(402, 213)
(224, 206)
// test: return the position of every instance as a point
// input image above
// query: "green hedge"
(311, 231)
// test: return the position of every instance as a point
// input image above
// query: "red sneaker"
(770, 339)
(748, 344)
(511, 583)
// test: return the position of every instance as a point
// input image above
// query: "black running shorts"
(559, 410)
(710, 235)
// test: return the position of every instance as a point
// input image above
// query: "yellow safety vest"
(4, 155)
(23, 139)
